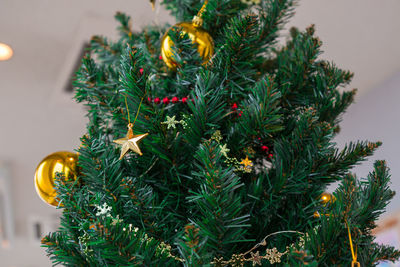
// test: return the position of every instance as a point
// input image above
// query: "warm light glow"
(5, 243)
(5, 52)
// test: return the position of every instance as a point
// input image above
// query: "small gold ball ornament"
(63, 162)
(326, 198)
(198, 35)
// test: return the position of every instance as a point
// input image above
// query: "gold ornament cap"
(197, 21)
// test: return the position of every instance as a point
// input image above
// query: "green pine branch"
(218, 212)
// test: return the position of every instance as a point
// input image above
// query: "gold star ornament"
(130, 142)
(246, 162)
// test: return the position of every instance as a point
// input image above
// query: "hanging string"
(198, 20)
(137, 113)
(153, 4)
(354, 262)
(130, 125)
(201, 11)
(127, 110)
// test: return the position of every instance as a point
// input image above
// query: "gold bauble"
(199, 36)
(326, 198)
(63, 162)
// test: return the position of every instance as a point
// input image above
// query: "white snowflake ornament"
(104, 210)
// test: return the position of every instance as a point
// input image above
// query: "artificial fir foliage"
(238, 151)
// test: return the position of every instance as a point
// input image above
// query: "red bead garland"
(165, 100)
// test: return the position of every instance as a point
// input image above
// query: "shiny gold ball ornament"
(198, 35)
(62, 162)
(326, 198)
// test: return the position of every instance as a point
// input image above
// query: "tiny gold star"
(171, 122)
(116, 220)
(217, 136)
(256, 258)
(246, 162)
(224, 150)
(273, 255)
(130, 142)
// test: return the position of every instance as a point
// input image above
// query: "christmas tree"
(228, 153)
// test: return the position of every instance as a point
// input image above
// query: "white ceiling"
(360, 35)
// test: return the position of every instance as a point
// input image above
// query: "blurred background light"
(6, 52)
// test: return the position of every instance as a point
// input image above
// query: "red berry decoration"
(234, 106)
(165, 100)
(264, 148)
(141, 70)
(270, 156)
(240, 113)
(160, 57)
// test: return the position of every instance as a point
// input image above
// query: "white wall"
(376, 117)
(35, 120)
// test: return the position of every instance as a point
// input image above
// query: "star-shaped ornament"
(170, 122)
(256, 258)
(130, 142)
(246, 162)
(224, 150)
(117, 220)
